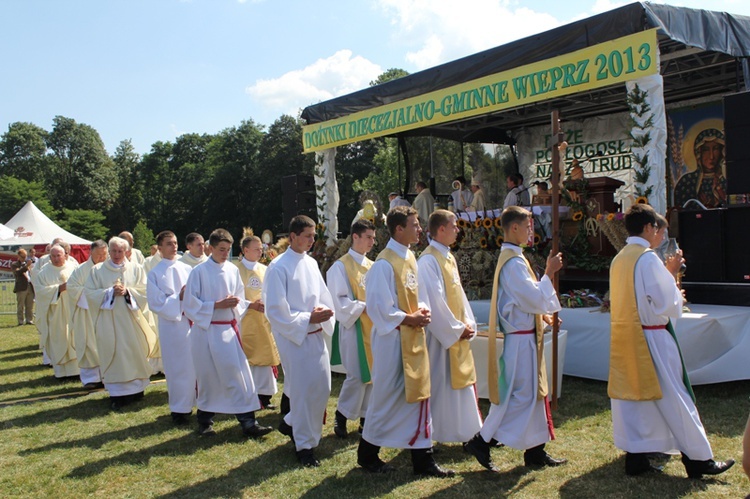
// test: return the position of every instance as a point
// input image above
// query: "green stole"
(355, 274)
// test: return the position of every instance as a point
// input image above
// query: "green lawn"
(72, 446)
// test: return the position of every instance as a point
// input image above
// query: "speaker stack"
(298, 197)
(737, 151)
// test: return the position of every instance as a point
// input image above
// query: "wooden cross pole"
(557, 134)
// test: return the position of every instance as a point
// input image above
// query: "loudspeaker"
(737, 138)
(288, 215)
(702, 243)
(737, 244)
(297, 183)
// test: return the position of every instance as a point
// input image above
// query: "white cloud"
(444, 30)
(336, 75)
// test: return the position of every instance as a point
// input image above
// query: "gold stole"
(355, 274)
(632, 375)
(463, 373)
(414, 355)
(497, 379)
(257, 341)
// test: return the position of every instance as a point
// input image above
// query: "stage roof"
(701, 54)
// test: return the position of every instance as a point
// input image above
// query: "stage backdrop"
(600, 144)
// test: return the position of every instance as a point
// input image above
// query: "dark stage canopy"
(703, 53)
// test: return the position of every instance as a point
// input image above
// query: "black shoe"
(376, 466)
(432, 469)
(480, 449)
(284, 406)
(180, 418)
(206, 429)
(339, 425)
(537, 458)
(94, 386)
(285, 429)
(638, 464)
(361, 426)
(254, 430)
(307, 458)
(265, 402)
(696, 469)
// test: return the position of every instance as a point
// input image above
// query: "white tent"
(5, 232)
(32, 227)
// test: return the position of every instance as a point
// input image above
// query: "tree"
(143, 237)
(126, 206)
(15, 193)
(390, 74)
(83, 223)
(80, 173)
(22, 151)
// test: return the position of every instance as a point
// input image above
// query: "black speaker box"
(737, 138)
(702, 244)
(297, 183)
(737, 244)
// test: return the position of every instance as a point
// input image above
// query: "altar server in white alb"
(257, 340)
(398, 414)
(351, 345)
(116, 294)
(519, 416)
(194, 254)
(165, 289)
(653, 406)
(453, 399)
(300, 310)
(214, 301)
(52, 311)
(80, 318)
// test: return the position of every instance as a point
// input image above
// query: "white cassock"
(292, 288)
(478, 202)
(455, 413)
(461, 199)
(136, 256)
(124, 338)
(191, 260)
(391, 421)
(82, 324)
(163, 285)
(671, 422)
(225, 384)
(424, 203)
(53, 321)
(520, 421)
(263, 376)
(355, 394)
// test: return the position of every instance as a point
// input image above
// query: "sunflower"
(578, 216)
(610, 217)
(487, 222)
(499, 223)
(461, 223)
(478, 223)
(483, 243)
(641, 200)
(599, 217)
(537, 238)
(499, 241)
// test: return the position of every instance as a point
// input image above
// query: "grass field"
(73, 446)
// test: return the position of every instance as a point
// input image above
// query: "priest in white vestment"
(654, 410)
(52, 312)
(81, 322)
(116, 295)
(424, 203)
(398, 414)
(453, 399)
(519, 416)
(165, 286)
(300, 310)
(134, 254)
(194, 255)
(214, 301)
(257, 339)
(346, 282)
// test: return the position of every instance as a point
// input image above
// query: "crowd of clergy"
(400, 326)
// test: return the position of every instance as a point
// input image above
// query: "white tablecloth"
(715, 343)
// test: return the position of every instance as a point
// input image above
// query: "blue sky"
(151, 70)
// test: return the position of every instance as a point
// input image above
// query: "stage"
(715, 342)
